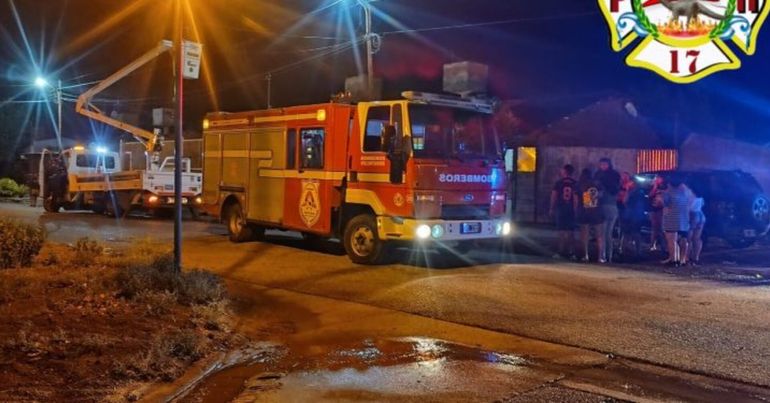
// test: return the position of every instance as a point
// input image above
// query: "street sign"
(192, 60)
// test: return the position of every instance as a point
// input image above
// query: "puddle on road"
(405, 369)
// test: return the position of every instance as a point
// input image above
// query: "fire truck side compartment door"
(212, 167)
(266, 176)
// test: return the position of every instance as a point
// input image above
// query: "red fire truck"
(422, 170)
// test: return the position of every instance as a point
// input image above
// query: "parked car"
(737, 209)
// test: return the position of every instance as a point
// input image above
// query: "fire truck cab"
(426, 169)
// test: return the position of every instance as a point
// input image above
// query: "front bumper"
(394, 228)
(167, 201)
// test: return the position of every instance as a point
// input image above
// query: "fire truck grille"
(465, 212)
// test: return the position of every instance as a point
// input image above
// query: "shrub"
(19, 243)
(9, 188)
(191, 288)
(86, 251)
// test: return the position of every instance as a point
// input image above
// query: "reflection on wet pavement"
(404, 369)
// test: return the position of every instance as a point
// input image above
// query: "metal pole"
(58, 102)
(269, 78)
(369, 52)
(178, 145)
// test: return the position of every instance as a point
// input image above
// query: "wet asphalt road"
(720, 330)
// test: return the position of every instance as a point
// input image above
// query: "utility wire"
(490, 23)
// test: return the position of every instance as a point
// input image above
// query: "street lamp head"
(41, 82)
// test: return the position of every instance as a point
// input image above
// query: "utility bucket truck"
(93, 178)
(418, 171)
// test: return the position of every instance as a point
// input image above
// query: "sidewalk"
(719, 261)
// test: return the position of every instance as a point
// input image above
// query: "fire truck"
(419, 171)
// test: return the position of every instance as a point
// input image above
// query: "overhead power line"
(490, 23)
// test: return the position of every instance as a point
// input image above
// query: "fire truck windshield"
(440, 132)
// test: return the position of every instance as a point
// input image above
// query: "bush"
(86, 251)
(19, 243)
(191, 288)
(9, 188)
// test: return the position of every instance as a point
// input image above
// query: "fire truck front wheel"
(239, 228)
(362, 242)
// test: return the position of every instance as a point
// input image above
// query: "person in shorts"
(590, 214)
(564, 203)
(677, 200)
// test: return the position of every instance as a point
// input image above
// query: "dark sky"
(551, 53)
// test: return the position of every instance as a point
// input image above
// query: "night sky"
(552, 54)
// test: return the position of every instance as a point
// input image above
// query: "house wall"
(533, 191)
(707, 152)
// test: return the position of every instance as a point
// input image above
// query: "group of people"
(597, 202)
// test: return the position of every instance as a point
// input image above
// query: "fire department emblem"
(685, 40)
(310, 203)
(398, 200)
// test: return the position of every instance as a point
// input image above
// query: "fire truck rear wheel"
(239, 229)
(361, 241)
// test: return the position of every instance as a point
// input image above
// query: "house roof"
(610, 123)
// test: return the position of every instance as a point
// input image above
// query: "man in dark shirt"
(564, 205)
(590, 215)
(609, 179)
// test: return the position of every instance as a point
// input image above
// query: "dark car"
(737, 210)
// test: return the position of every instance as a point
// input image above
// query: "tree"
(12, 140)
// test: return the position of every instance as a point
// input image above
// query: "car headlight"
(198, 200)
(152, 199)
(423, 232)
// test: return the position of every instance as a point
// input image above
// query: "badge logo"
(310, 203)
(685, 40)
(398, 200)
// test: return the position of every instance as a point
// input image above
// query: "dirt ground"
(70, 332)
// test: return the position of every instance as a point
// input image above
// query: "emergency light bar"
(474, 104)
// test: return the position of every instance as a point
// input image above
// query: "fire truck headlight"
(423, 232)
(437, 231)
(198, 200)
(152, 199)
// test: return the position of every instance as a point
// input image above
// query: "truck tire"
(50, 205)
(239, 229)
(361, 241)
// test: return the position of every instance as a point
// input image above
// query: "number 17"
(690, 54)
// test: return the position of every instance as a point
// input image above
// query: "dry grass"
(79, 332)
(19, 243)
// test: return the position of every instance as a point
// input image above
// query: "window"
(291, 149)
(312, 148)
(441, 132)
(527, 161)
(92, 160)
(376, 119)
(398, 120)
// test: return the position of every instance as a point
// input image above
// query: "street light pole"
(369, 48)
(178, 145)
(269, 79)
(59, 102)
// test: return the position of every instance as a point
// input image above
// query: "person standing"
(697, 224)
(676, 220)
(590, 214)
(564, 206)
(656, 214)
(632, 218)
(609, 181)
